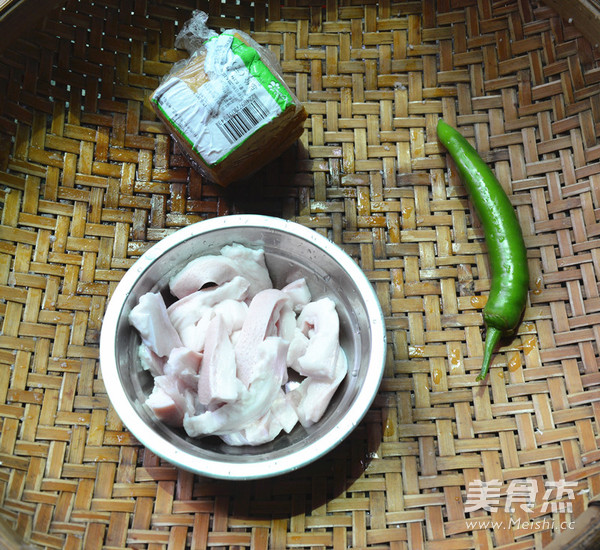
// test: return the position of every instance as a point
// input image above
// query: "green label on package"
(241, 96)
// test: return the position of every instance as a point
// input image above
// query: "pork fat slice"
(220, 354)
(260, 323)
(150, 361)
(190, 309)
(311, 397)
(319, 322)
(251, 264)
(171, 400)
(183, 365)
(235, 260)
(232, 313)
(298, 293)
(217, 383)
(150, 319)
(251, 404)
(281, 416)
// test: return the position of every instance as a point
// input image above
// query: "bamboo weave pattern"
(90, 180)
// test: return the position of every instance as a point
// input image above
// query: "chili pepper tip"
(491, 339)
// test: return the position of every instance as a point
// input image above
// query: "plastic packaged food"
(227, 105)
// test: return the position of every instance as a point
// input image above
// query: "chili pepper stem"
(491, 339)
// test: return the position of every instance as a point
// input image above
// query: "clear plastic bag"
(194, 33)
(227, 104)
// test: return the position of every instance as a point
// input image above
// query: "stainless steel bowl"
(291, 250)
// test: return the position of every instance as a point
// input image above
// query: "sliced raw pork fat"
(286, 324)
(150, 361)
(253, 402)
(261, 431)
(281, 416)
(298, 292)
(260, 323)
(220, 354)
(320, 323)
(312, 396)
(251, 264)
(171, 400)
(218, 383)
(232, 312)
(235, 260)
(187, 312)
(284, 412)
(150, 319)
(298, 347)
(206, 270)
(183, 365)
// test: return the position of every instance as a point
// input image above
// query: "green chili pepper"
(503, 236)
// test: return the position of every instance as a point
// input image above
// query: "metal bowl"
(291, 250)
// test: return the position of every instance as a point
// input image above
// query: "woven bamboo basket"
(90, 180)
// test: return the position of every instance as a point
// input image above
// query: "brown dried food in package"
(227, 105)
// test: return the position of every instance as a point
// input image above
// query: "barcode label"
(243, 121)
(218, 116)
